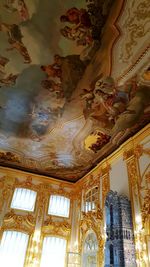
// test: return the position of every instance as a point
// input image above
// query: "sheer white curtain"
(13, 249)
(23, 199)
(59, 206)
(53, 252)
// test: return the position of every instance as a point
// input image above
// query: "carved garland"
(25, 223)
(60, 228)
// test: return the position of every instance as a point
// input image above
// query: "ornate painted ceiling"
(74, 81)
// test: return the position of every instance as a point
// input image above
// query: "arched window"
(23, 199)
(91, 243)
(91, 200)
(59, 206)
(13, 249)
(90, 250)
(53, 252)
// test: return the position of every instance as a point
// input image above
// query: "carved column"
(6, 188)
(105, 178)
(135, 196)
(74, 256)
(35, 246)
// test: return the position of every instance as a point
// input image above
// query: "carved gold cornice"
(136, 151)
(60, 228)
(14, 221)
(92, 217)
(127, 154)
(13, 173)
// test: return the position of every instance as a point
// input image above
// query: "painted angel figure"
(19, 6)
(3, 62)
(79, 17)
(15, 40)
(10, 80)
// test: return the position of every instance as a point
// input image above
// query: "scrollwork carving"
(57, 228)
(19, 222)
(105, 187)
(146, 208)
(137, 26)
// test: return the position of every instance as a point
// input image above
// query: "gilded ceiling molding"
(134, 65)
(132, 47)
(139, 150)
(9, 156)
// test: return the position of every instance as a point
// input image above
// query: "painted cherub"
(15, 40)
(20, 48)
(52, 86)
(10, 80)
(19, 6)
(80, 35)
(79, 17)
(51, 71)
(80, 32)
(54, 70)
(3, 62)
(22, 10)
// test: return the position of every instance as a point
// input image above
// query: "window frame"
(24, 210)
(59, 216)
(91, 195)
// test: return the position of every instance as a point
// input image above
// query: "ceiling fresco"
(74, 82)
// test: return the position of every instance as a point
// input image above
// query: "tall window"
(53, 252)
(23, 199)
(91, 243)
(13, 249)
(91, 200)
(59, 206)
(89, 257)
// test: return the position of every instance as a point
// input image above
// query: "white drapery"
(53, 252)
(13, 249)
(23, 199)
(59, 206)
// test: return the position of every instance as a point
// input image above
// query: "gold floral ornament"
(62, 228)
(146, 208)
(19, 222)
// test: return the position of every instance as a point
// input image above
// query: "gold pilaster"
(134, 177)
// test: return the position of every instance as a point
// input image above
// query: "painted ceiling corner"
(74, 82)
